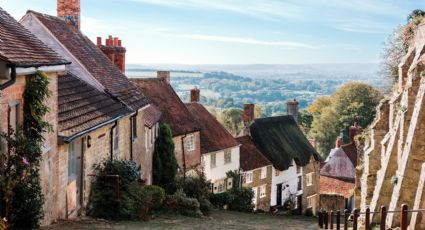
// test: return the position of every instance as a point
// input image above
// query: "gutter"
(111, 133)
(184, 156)
(12, 78)
(131, 133)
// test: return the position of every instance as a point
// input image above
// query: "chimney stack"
(292, 109)
(113, 50)
(164, 75)
(354, 130)
(338, 142)
(195, 95)
(70, 11)
(248, 113)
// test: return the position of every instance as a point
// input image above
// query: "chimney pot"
(248, 113)
(195, 95)
(164, 75)
(116, 41)
(354, 130)
(119, 43)
(292, 109)
(99, 41)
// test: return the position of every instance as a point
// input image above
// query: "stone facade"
(192, 157)
(310, 185)
(262, 203)
(393, 155)
(332, 202)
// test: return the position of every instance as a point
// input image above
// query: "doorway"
(279, 195)
(75, 177)
(300, 204)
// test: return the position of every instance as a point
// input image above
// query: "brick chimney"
(70, 11)
(354, 130)
(113, 50)
(292, 109)
(164, 75)
(195, 95)
(248, 113)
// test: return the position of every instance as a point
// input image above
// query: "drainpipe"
(112, 140)
(12, 78)
(184, 157)
(131, 133)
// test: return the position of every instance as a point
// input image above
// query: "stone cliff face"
(394, 156)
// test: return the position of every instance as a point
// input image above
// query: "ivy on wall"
(20, 190)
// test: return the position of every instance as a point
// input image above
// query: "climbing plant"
(20, 190)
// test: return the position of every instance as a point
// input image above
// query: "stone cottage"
(21, 55)
(219, 149)
(393, 159)
(184, 127)
(257, 171)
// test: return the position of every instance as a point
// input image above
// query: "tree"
(352, 102)
(232, 120)
(164, 160)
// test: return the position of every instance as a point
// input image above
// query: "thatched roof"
(282, 141)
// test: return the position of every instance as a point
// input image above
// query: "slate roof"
(93, 59)
(250, 157)
(214, 136)
(18, 46)
(282, 141)
(339, 165)
(152, 115)
(82, 107)
(329, 185)
(174, 111)
(351, 151)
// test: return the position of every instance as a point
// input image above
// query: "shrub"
(103, 202)
(199, 188)
(181, 204)
(241, 199)
(152, 198)
(220, 200)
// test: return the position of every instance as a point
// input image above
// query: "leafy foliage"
(181, 204)
(238, 199)
(103, 201)
(199, 188)
(152, 198)
(20, 191)
(164, 160)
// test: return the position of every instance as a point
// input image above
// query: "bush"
(181, 204)
(152, 198)
(238, 199)
(103, 202)
(220, 200)
(199, 188)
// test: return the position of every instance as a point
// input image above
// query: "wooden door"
(300, 204)
(75, 176)
(279, 195)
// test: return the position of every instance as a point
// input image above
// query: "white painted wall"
(288, 177)
(219, 172)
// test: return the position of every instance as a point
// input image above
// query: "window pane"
(213, 160)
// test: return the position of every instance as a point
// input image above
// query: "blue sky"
(239, 31)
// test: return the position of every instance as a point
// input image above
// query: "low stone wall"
(330, 202)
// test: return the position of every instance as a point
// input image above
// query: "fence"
(327, 220)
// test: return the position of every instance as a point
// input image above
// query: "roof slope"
(214, 136)
(330, 185)
(93, 59)
(151, 115)
(18, 46)
(338, 165)
(174, 111)
(351, 151)
(282, 141)
(81, 106)
(250, 157)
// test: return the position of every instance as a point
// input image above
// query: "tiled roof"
(338, 165)
(82, 107)
(330, 185)
(250, 157)
(174, 111)
(18, 46)
(282, 141)
(152, 115)
(214, 136)
(93, 59)
(351, 151)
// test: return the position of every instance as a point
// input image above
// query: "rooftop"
(250, 157)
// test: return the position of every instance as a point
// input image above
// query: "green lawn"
(218, 220)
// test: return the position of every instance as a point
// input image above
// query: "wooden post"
(338, 220)
(346, 215)
(383, 218)
(325, 219)
(367, 219)
(321, 218)
(355, 218)
(331, 220)
(403, 217)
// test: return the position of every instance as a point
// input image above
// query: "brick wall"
(264, 202)
(311, 190)
(193, 158)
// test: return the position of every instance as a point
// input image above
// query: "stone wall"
(311, 191)
(331, 202)
(263, 203)
(192, 158)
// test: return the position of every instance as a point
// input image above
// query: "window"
(229, 183)
(311, 200)
(116, 141)
(71, 163)
(262, 191)
(277, 172)
(263, 172)
(300, 183)
(254, 198)
(227, 157)
(298, 169)
(14, 115)
(134, 127)
(190, 142)
(309, 178)
(220, 186)
(248, 177)
(213, 161)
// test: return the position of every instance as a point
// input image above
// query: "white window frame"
(189, 142)
(227, 156)
(311, 200)
(14, 111)
(134, 127)
(213, 163)
(263, 173)
(249, 177)
(116, 140)
(263, 192)
(309, 178)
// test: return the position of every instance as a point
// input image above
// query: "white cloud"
(361, 26)
(94, 26)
